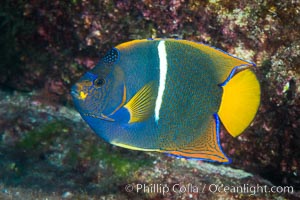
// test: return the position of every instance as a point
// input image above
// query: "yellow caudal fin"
(240, 102)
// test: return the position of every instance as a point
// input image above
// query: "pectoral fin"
(142, 104)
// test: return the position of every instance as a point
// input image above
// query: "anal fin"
(206, 146)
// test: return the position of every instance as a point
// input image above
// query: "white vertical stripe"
(163, 65)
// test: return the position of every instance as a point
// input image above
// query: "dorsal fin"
(222, 62)
(141, 105)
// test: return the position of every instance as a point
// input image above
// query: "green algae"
(122, 165)
(125, 166)
(39, 140)
(42, 136)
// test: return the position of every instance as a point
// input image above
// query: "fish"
(170, 96)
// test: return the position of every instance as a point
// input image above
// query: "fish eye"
(99, 82)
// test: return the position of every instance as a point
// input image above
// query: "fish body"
(168, 95)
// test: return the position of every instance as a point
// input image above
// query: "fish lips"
(77, 93)
(74, 92)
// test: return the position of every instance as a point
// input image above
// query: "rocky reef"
(48, 152)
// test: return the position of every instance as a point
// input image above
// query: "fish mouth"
(78, 92)
(74, 93)
(79, 95)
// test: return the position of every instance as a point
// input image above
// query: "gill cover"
(106, 93)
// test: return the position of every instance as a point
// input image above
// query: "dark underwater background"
(48, 152)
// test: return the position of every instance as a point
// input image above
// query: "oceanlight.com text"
(201, 188)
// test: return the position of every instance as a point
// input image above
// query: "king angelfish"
(169, 96)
